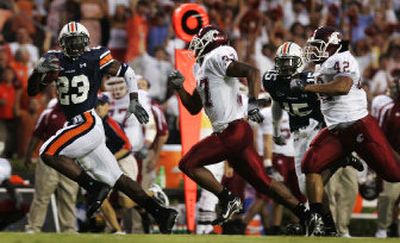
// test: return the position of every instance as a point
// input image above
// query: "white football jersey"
(342, 108)
(219, 93)
(266, 128)
(380, 105)
(132, 127)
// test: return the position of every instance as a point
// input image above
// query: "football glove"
(279, 140)
(137, 109)
(47, 64)
(175, 80)
(298, 85)
(253, 112)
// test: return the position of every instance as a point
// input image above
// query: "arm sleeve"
(276, 118)
(130, 77)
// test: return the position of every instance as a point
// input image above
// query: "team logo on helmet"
(208, 38)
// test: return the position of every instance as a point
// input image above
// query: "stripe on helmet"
(72, 27)
(285, 48)
(290, 44)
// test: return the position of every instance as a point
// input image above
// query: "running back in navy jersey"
(80, 79)
(300, 106)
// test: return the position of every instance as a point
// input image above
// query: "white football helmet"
(289, 59)
(325, 42)
(117, 86)
(74, 38)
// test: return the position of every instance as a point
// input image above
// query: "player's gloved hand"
(298, 85)
(47, 64)
(273, 173)
(253, 112)
(142, 153)
(279, 140)
(175, 80)
(136, 108)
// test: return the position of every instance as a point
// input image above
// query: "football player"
(78, 71)
(344, 107)
(305, 117)
(386, 109)
(217, 90)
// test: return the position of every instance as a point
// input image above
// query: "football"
(49, 77)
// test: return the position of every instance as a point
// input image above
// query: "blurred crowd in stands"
(141, 34)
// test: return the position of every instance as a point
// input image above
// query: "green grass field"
(106, 238)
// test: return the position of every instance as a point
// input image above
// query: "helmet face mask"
(289, 59)
(315, 51)
(325, 42)
(74, 38)
(288, 65)
(74, 45)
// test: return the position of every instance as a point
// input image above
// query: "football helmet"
(289, 59)
(208, 38)
(74, 38)
(369, 187)
(325, 42)
(117, 86)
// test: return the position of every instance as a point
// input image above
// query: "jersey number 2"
(80, 83)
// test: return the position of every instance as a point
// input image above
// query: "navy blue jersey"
(116, 138)
(80, 79)
(301, 106)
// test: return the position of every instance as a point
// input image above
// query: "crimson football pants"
(285, 166)
(234, 144)
(364, 137)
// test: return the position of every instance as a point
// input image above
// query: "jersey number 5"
(79, 83)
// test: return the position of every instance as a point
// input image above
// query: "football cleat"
(355, 162)
(315, 225)
(295, 229)
(159, 195)
(226, 208)
(95, 197)
(166, 219)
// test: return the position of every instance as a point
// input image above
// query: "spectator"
(265, 61)
(137, 30)
(158, 32)
(146, 64)
(25, 41)
(22, 19)
(118, 39)
(48, 180)
(10, 90)
(379, 82)
(92, 11)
